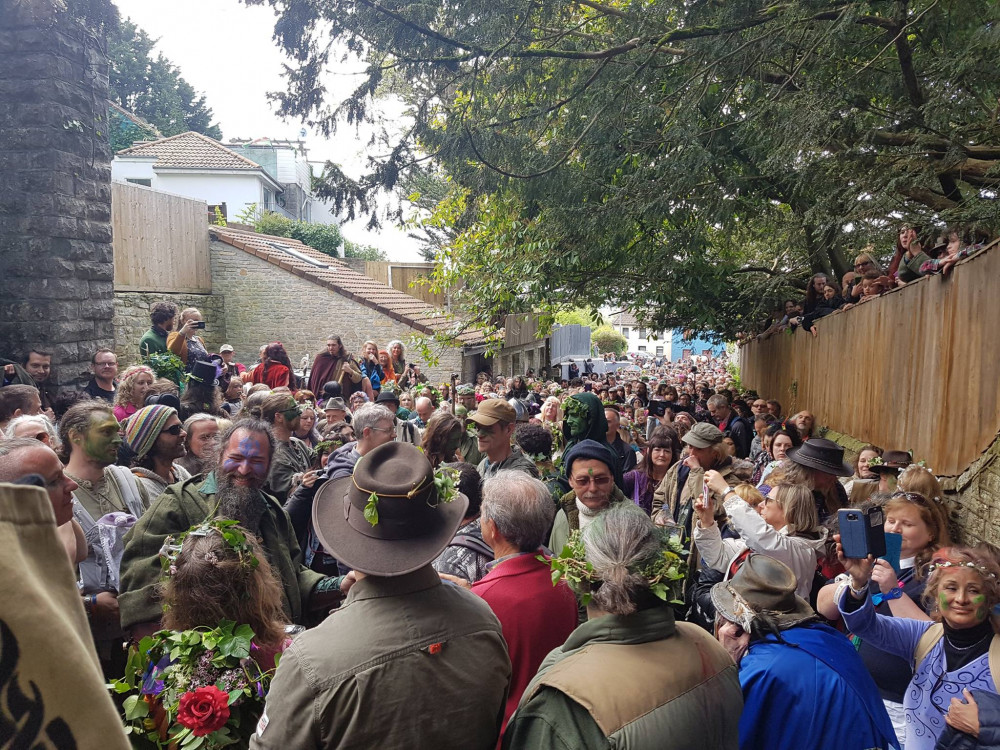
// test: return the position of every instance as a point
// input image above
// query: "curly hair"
(440, 428)
(982, 563)
(212, 583)
(124, 394)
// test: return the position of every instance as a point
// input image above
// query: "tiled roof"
(623, 318)
(334, 274)
(192, 151)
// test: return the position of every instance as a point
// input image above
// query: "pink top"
(124, 412)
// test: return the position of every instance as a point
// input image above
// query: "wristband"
(858, 594)
(894, 593)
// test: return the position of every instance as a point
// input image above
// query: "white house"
(196, 166)
(640, 338)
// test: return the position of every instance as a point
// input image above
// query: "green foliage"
(365, 252)
(167, 365)
(323, 237)
(575, 316)
(609, 340)
(371, 509)
(219, 220)
(152, 87)
(696, 159)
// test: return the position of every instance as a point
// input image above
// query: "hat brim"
(839, 470)
(484, 419)
(697, 442)
(379, 557)
(725, 605)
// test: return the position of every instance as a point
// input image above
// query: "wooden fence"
(400, 275)
(160, 241)
(918, 368)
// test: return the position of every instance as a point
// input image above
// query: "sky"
(226, 51)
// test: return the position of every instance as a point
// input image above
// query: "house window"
(659, 351)
(138, 181)
(642, 348)
(642, 333)
(268, 200)
(625, 332)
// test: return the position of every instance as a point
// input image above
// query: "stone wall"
(266, 303)
(131, 319)
(55, 189)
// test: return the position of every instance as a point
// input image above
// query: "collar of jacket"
(647, 625)
(378, 587)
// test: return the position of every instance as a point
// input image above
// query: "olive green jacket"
(405, 662)
(637, 681)
(187, 504)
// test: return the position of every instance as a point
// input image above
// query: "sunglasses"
(174, 430)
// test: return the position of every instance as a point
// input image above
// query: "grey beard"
(242, 504)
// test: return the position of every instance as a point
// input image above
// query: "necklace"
(963, 649)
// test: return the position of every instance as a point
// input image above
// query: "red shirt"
(536, 617)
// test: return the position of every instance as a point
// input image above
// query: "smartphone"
(200, 324)
(657, 408)
(862, 533)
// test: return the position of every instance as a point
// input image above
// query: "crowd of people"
(917, 254)
(642, 560)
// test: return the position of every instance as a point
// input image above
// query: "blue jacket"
(811, 692)
(989, 727)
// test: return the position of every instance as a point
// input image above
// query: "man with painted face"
(107, 500)
(292, 457)
(590, 468)
(584, 419)
(234, 491)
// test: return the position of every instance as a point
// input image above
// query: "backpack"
(935, 633)
(471, 542)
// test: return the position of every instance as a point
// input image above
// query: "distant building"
(641, 339)
(269, 175)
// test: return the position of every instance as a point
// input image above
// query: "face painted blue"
(248, 456)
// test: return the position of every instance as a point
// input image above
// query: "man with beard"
(156, 437)
(233, 491)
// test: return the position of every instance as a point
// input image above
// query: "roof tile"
(190, 150)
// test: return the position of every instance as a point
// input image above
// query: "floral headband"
(981, 569)
(225, 528)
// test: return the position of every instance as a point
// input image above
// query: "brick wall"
(131, 319)
(266, 303)
(55, 189)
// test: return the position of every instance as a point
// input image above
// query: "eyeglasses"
(384, 429)
(862, 264)
(602, 481)
(174, 430)
(106, 364)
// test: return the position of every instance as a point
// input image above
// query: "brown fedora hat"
(412, 525)
(765, 587)
(823, 455)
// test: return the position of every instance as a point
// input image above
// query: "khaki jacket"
(405, 662)
(665, 499)
(638, 681)
(187, 504)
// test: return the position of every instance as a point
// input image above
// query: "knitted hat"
(143, 427)
(593, 451)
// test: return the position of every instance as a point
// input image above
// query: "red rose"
(204, 710)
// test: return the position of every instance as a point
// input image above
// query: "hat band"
(391, 526)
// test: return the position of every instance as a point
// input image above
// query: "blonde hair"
(916, 478)
(124, 393)
(796, 502)
(931, 513)
(750, 494)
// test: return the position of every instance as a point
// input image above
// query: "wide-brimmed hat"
(704, 435)
(392, 485)
(204, 372)
(823, 455)
(891, 461)
(762, 587)
(492, 411)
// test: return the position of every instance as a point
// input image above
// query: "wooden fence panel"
(917, 369)
(160, 241)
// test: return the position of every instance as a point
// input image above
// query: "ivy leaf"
(371, 509)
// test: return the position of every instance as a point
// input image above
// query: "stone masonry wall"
(131, 319)
(55, 189)
(266, 303)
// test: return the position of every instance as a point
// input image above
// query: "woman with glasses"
(864, 263)
(292, 457)
(923, 526)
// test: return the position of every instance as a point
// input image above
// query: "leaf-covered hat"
(392, 516)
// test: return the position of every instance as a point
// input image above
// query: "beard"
(242, 504)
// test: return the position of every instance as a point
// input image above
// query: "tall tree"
(152, 87)
(690, 160)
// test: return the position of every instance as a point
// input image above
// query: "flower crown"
(981, 569)
(225, 528)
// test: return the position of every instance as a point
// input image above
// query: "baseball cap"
(703, 435)
(492, 411)
(225, 348)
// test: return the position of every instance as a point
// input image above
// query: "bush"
(609, 340)
(323, 237)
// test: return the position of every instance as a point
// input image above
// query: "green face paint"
(943, 601)
(102, 439)
(979, 601)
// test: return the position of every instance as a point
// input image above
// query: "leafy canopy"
(692, 161)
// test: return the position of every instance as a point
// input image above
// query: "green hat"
(703, 435)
